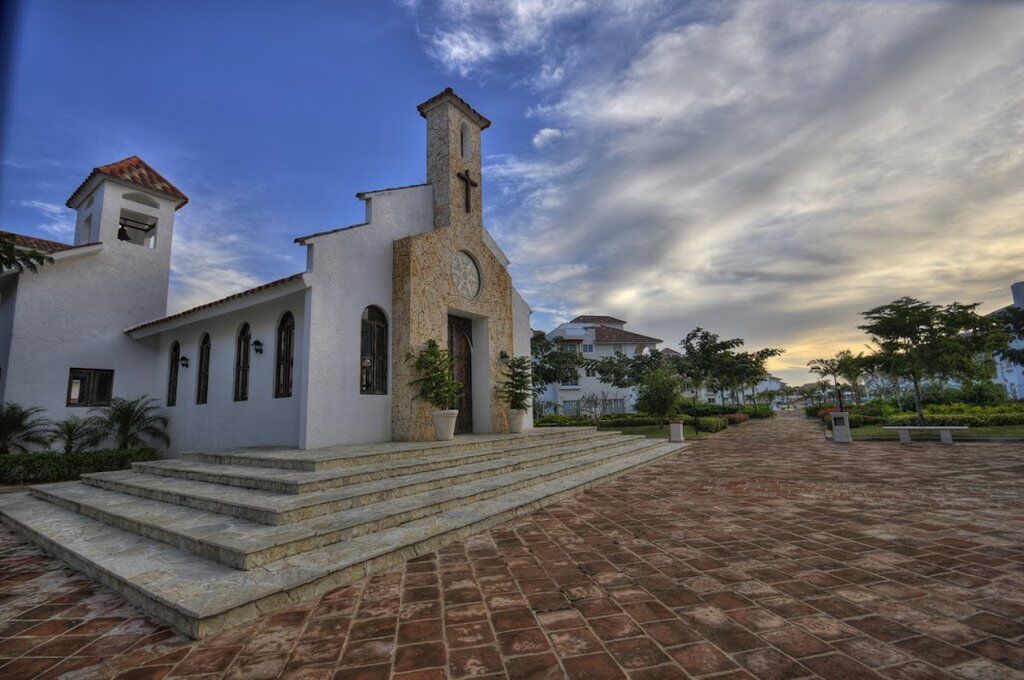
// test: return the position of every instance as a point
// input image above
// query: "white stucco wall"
(222, 422)
(73, 313)
(349, 270)
(521, 334)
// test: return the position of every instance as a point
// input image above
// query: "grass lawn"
(1002, 431)
(655, 431)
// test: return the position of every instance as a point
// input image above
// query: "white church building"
(309, 360)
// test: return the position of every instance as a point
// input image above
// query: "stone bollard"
(675, 432)
(841, 427)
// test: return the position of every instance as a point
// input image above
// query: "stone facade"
(424, 292)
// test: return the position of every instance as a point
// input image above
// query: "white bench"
(945, 431)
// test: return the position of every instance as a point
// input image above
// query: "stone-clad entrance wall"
(423, 295)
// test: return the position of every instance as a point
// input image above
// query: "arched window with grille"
(242, 346)
(172, 374)
(203, 370)
(285, 356)
(373, 352)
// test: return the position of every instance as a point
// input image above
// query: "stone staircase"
(212, 540)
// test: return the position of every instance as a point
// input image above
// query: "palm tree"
(13, 257)
(132, 421)
(20, 427)
(76, 434)
(852, 368)
(828, 368)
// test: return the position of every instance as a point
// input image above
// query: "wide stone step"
(200, 597)
(245, 544)
(271, 508)
(297, 482)
(363, 454)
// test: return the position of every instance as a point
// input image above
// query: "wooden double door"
(460, 344)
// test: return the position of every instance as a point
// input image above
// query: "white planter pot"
(444, 424)
(517, 420)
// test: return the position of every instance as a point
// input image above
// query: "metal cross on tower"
(468, 182)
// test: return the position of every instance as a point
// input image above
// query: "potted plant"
(436, 386)
(516, 390)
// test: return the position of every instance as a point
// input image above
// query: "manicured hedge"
(628, 422)
(48, 466)
(712, 424)
(759, 411)
(736, 418)
(969, 419)
(704, 408)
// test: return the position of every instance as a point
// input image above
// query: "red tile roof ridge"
(596, 318)
(43, 245)
(134, 170)
(605, 335)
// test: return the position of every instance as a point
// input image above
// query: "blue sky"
(767, 169)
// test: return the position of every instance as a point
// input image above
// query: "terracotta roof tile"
(604, 334)
(251, 291)
(41, 244)
(448, 93)
(669, 352)
(596, 318)
(135, 171)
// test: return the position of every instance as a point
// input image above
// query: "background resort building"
(594, 337)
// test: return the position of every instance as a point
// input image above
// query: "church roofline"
(363, 194)
(302, 239)
(189, 312)
(447, 94)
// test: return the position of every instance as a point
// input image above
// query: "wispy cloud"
(545, 136)
(58, 221)
(223, 245)
(768, 169)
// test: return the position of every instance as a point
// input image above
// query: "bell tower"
(453, 159)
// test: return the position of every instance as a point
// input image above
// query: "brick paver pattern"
(764, 551)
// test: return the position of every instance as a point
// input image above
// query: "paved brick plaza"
(764, 551)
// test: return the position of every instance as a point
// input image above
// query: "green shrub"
(47, 466)
(815, 411)
(712, 424)
(703, 408)
(759, 411)
(969, 419)
(561, 421)
(1008, 407)
(616, 421)
(736, 418)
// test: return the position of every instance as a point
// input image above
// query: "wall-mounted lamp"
(183, 361)
(503, 355)
(257, 345)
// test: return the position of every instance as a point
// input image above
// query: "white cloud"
(770, 169)
(59, 220)
(460, 51)
(545, 136)
(222, 244)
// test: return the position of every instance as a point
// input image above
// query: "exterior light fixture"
(183, 361)
(503, 356)
(257, 345)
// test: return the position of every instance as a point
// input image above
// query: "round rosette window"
(466, 274)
